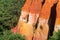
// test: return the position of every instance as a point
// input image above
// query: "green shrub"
(56, 36)
(9, 13)
(8, 35)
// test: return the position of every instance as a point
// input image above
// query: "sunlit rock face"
(44, 17)
(46, 9)
(26, 30)
(57, 23)
(34, 9)
(25, 10)
(27, 5)
(41, 32)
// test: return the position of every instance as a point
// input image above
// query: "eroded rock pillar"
(27, 29)
(25, 10)
(43, 27)
(35, 9)
(57, 23)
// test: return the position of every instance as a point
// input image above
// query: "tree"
(9, 13)
(56, 36)
(8, 35)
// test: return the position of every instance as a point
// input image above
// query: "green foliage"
(56, 36)
(8, 35)
(9, 13)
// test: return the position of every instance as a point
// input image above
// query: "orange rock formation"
(34, 9)
(25, 10)
(26, 30)
(43, 19)
(57, 23)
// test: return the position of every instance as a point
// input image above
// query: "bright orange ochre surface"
(36, 6)
(58, 10)
(41, 34)
(27, 5)
(58, 14)
(57, 21)
(24, 29)
(45, 11)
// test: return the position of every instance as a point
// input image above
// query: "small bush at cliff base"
(8, 35)
(56, 36)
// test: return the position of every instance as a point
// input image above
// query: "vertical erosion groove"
(52, 19)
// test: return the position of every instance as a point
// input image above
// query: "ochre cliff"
(57, 23)
(34, 11)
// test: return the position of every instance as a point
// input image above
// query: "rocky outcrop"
(37, 12)
(57, 23)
